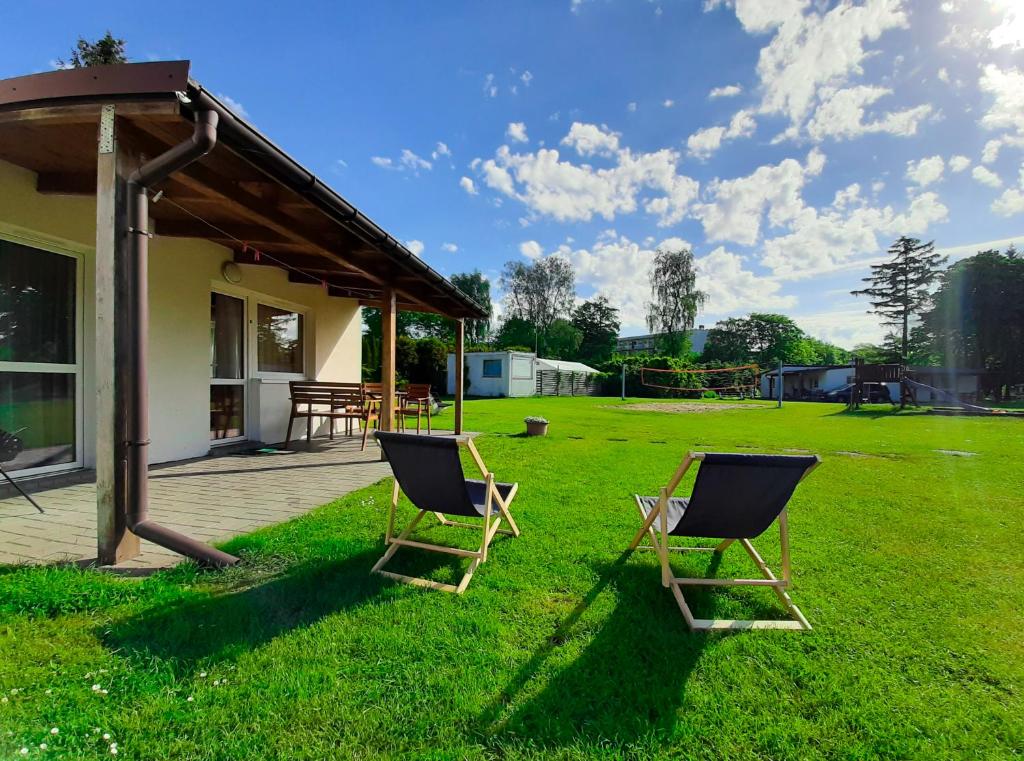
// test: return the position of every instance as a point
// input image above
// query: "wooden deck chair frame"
(676, 583)
(489, 528)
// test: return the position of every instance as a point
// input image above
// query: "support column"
(460, 369)
(388, 318)
(114, 543)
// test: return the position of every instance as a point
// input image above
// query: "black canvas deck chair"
(428, 470)
(736, 497)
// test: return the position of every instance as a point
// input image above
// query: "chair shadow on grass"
(228, 624)
(630, 680)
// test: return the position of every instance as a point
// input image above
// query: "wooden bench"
(333, 401)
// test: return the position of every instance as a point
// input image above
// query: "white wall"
(182, 274)
(506, 385)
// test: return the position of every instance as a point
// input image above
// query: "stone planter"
(536, 428)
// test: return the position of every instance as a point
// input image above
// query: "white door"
(40, 356)
(227, 368)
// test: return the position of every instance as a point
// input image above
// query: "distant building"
(508, 373)
(815, 381)
(648, 344)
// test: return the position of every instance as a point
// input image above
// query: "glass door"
(227, 368)
(40, 362)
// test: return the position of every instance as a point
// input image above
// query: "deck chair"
(736, 497)
(429, 472)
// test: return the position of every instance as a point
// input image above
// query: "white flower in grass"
(106, 735)
(48, 692)
(23, 751)
(42, 746)
(216, 682)
(113, 750)
(103, 692)
(202, 674)
(95, 688)
(3, 699)
(189, 699)
(14, 690)
(55, 731)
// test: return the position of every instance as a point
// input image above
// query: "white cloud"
(832, 238)
(986, 176)
(531, 249)
(631, 106)
(811, 56)
(704, 142)
(550, 185)
(668, 103)
(490, 89)
(451, 248)
(468, 185)
(926, 171)
(526, 77)
(1007, 89)
(943, 75)
(843, 327)
(736, 206)
(516, 132)
(406, 161)
(1011, 202)
(958, 163)
(726, 91)
(234, 105)
(590, 140)
(1010, 31)
(415, 246)
(440, 150)
(842, 113)
(619, 268)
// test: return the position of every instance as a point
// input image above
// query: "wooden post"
(780, 382)
(114, 543)
(388, 314)
(460, 359)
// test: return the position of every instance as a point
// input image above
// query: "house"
(806, 381)
(508, 373)
(496, 373)
(648, 344)
(166, 270)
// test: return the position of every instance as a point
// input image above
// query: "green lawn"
(907, 561)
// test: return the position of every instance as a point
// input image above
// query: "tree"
(874, 354)
(478, 288)
(561, 340)
(727, 341)
(106, 50)
(539, 292)
(515, 333)
(900, 289)
(674, 299)
(977, 317)
(598, 324)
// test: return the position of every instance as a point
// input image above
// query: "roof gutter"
(260, 151)
(134, 367)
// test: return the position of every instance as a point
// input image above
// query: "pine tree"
(105, 51)
(900, 288)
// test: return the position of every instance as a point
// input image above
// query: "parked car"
(874, 393)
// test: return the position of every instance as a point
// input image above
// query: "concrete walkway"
(211, 499)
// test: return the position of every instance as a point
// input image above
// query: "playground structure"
(909, 388)
(740, 381)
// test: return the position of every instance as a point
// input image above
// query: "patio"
(211, 499)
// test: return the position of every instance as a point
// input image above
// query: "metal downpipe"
(202, 141)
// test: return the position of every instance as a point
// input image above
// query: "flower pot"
(536, 429)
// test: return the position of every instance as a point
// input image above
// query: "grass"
(907, 562)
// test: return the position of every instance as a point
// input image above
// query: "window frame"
(303, 312)
(53, 245)
(483, 369)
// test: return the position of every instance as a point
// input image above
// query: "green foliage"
(105, 51)
(767, 339)
(561, 340)
(598, 324)
(516, 332)
(900, 289)
(675, 300)
(478, 288)
(978, 317)
(539, 292)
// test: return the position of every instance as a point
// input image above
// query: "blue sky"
(788, 142)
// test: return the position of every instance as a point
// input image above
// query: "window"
(492, 368)
(278, 340)
(227, 367)
(39, 363)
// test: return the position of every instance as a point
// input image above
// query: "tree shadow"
(225, 625)
(628, 682)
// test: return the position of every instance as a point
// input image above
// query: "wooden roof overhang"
(246, 194)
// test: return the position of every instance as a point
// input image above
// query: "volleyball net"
(741, 379)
